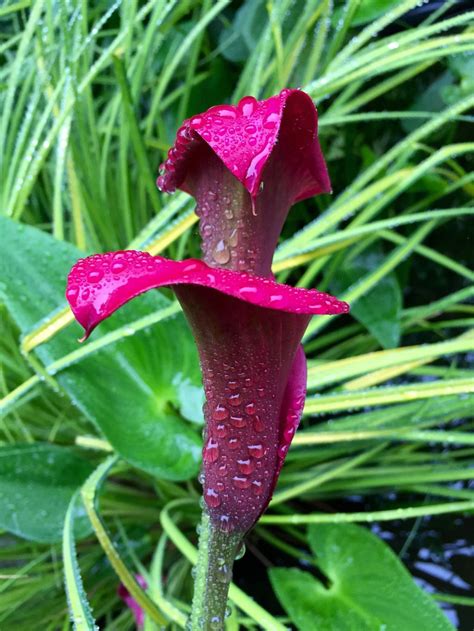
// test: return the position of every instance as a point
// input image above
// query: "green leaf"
(37, 482)
(379, 309)
(369, 588)
(130, 390)
(367, 11)
(79, 607)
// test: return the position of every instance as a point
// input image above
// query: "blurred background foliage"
(91, 95)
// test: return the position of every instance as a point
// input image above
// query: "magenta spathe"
(245, 165)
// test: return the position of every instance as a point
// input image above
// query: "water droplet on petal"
(258, 425)
(271, 120)
(256, 451)
(220, 413)
(235, 399)
(221, 431)
(250, 408)
(72, 294)
(117, 267)
(211, 451)
(234, 443)
(245, 466)
(221, 253)
(95, 276)
(241, 482)
(222, 470)
(238, 421)
(247, 105)
(257, 487)
(212, 498)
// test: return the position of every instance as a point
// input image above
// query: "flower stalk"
(212, 575)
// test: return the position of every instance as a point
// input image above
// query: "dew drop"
(118, 268)
(283, 450)
(95, 276)
(235, 399)
(247, 105)
(257, 487)
(256, 450)
(226, 526)
(233, 385)
(245, 466)
(221, 253)
(195, 122)
(241, 482)
(211, 451)
(234, 443)
(72, 294)
(271, 121)
(258, 425)
(220, 413)
(212, 498)
(233, 238)
(222, 470)
(241, 551)
(221, 430)
(238, 421)
(250, 409)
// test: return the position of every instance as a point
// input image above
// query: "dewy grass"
(92, 96)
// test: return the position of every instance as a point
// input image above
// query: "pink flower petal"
(131, 603)
(100, 284)
(248, 330)
(246, 165)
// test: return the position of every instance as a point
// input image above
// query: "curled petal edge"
(100, 284)
(244, 136)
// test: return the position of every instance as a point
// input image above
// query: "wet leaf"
(369, 588)
(379, 309)
(126, 389)
(37, 482)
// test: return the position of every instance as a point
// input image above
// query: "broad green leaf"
(130, 390)
(37, 482)
(369, 588)
(379, 309)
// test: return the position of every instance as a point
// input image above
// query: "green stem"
(216, 555)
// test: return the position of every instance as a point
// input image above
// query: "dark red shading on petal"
(292, 406)
(248, 331)
(246, 165)
(100, 284)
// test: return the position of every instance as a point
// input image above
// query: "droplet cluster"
(99, 284)
(240, 452)
(243, 137)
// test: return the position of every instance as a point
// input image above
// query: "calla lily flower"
(246, 165)
(248, 331)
